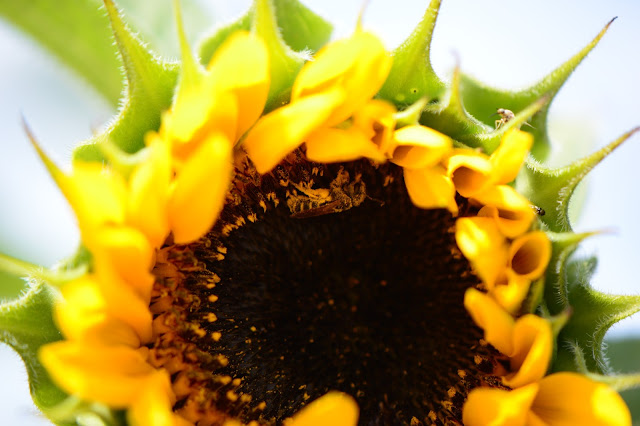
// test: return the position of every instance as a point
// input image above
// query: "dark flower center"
(316, 287)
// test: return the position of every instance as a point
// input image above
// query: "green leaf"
(77, 33)
(412, 76)
(26, 324)
(482, 101)
(150, 85)
(300, 28)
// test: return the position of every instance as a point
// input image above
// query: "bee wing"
(331, 207)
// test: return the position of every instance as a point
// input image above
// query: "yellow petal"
(497, 324)
(82, 315)
(241, 65)
(418, 147)
(470, 172)
(497, 407)
(507, 160)
(122, 301)
(280, 132)
(149, 192)
(330, 145)
(357, 65)
(377, 120)
(153, 406)
(334, 408)
(529, 255)
(572, 399)
(511, 293)
(127, 253)
(113, 375)
(362, 82)
(511, 211)
(326, 70)
(185, 130)
(200, 189)
(430, 188)
(484, 246)
(97, 195)
(532, 345)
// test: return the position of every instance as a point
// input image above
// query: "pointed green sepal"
(482, 101)
(284, 63)
(449, 116)
(563, 245)
(191, 72)
(411, 115)
(490, 141)
(122, 162)
(20, 268)
(26, 324)
(594, 313)
(301, 29)
(412, 76)
(618, 382)
(150, 86)
(551, 189)
(75, 411)
(534, 297)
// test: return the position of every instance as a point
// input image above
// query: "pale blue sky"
(507, 44)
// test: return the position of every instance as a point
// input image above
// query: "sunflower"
(325, 240)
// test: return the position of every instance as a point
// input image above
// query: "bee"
(341, 195)
(506, 115)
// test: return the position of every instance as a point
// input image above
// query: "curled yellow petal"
(113, 375)
(241, 65)
(417, 147)
(497, 407)
(507, 160)
(430, 188)
(566, 399)
(377, 120)
(200, 189)
(280, 132)
(484, 246)
(330, 145)
(497, 324)
(470, 172)
(511, 293)
(511, 211)
(532, 345)
(334, 408)
(529, 255)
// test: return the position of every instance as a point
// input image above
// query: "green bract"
(461, 108)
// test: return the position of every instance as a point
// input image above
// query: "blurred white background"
(505, 44)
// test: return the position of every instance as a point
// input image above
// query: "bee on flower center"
(341, 195)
